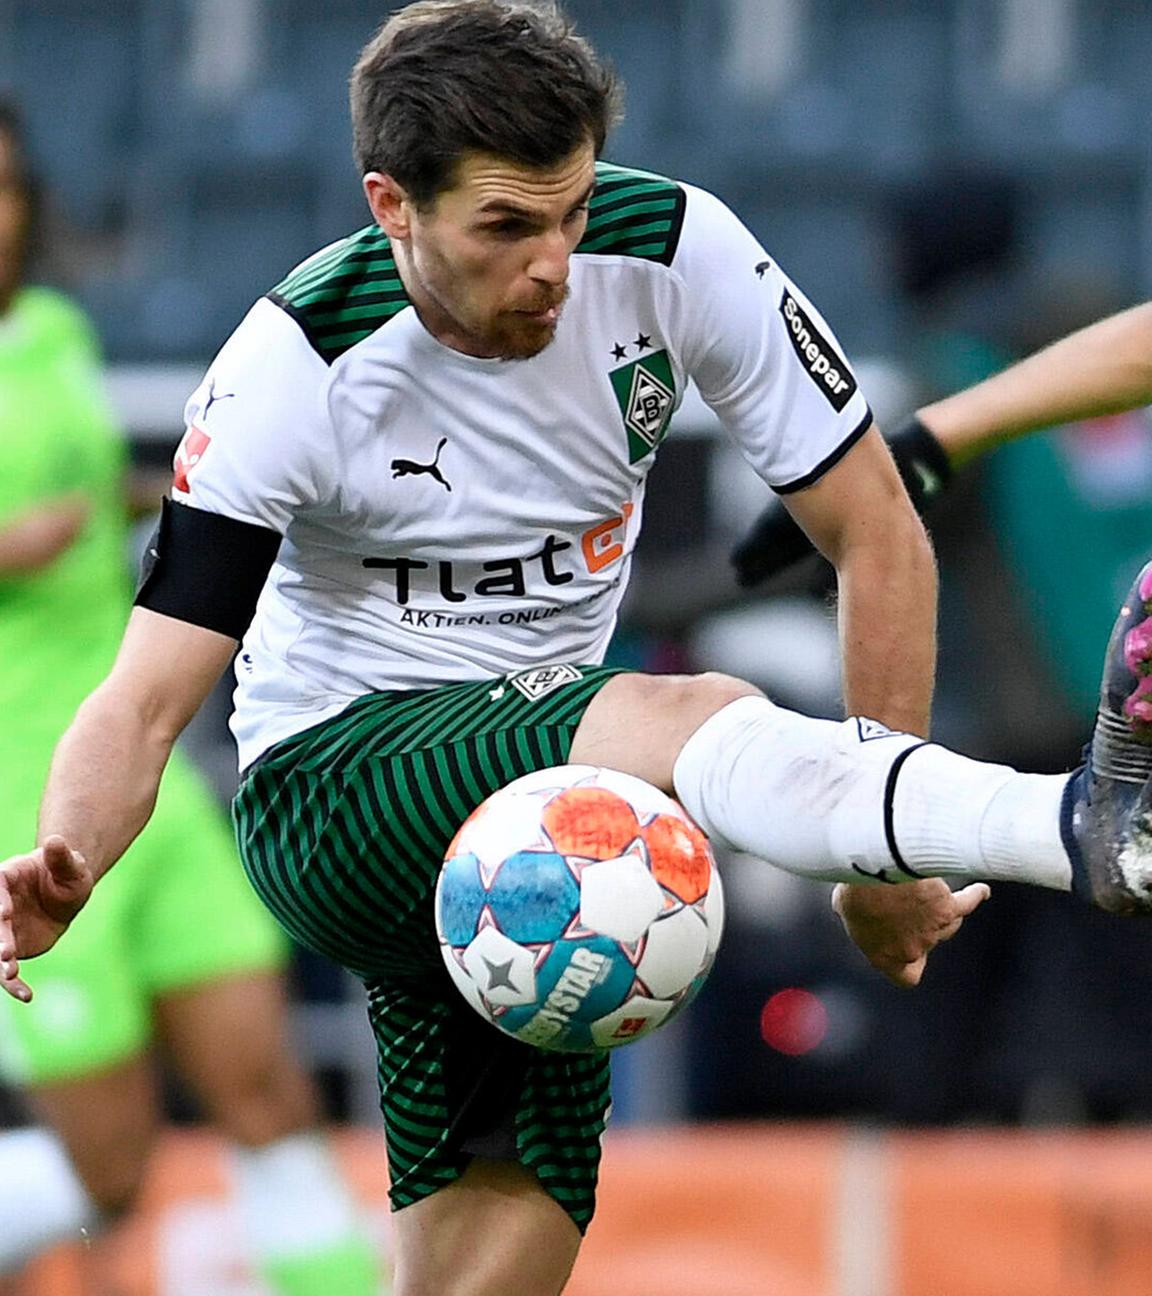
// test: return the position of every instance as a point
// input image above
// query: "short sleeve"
(761, 355)
(255, 447)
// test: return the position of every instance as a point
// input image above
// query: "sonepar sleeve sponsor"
(824, 364)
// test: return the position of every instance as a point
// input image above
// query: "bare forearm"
(37, 538)
(888, 624)
(888, 628)
(104, 777)
(1099, 370)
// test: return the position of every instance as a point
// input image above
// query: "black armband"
(205, 568)
(923, 462)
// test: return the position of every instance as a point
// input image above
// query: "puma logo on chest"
(410, 468)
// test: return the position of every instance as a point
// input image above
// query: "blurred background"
(954, 183)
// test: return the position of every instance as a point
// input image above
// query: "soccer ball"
(579, 908)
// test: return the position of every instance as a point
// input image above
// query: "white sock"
(956, 817)
(291, 1198)
(845, 802)
(47, 1203)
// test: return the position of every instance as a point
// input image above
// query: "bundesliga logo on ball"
(579, 908)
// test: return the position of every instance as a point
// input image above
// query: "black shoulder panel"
(344, 293)
(634, 213)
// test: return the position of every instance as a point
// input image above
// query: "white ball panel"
(631, 1021)
(554, 779)
(509, 823)
(463, 982)
(619, 898)
(645, 799)
(714, 911)
(675, 953)
(504, 972)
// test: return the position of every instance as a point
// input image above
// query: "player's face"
(487, 264)
(13, 221)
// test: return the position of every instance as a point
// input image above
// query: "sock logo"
(870, 730)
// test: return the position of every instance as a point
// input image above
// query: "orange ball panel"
(680, 857)
(590, 822)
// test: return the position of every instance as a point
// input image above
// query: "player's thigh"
(491, 1232)
(108, 1121)
(228, 1040)
(639, 723)
(343, 829)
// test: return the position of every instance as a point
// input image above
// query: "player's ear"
(391, 207)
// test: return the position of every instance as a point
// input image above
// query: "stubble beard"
(520, 337)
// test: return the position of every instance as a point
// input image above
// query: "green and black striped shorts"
(342, 830)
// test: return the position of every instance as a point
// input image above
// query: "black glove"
(776, 542)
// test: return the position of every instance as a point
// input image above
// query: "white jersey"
(447, 518)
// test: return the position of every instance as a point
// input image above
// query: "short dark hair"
(442, 78)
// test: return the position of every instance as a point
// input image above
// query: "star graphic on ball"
(500, 976)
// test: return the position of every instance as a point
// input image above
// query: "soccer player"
(1101, 369)
(410, 488)
(176, 946)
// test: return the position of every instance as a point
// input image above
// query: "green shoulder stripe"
(634, 213)
(347, 291)
(344, 293)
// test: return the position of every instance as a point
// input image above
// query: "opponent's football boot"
(1106, 817)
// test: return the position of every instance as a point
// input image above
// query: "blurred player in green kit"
(177, 947)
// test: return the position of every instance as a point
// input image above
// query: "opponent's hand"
(897, 927)
(775, 542)
(40, 894)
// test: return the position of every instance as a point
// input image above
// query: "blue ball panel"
(460, 899)
(534, 897)
(607, 994)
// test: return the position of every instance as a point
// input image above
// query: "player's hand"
(40, 894)
(897, 927)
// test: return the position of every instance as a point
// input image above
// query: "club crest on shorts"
(646, 393)
(541, 681)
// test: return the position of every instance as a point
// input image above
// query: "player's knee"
(688, 700)
(639, 723)
(687, 695)
(711, 690)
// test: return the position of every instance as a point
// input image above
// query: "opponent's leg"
(214, 960)
(82, 1167)
(229, 1040)
(1107, 814)
(492, 1232)
(80, 1051)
